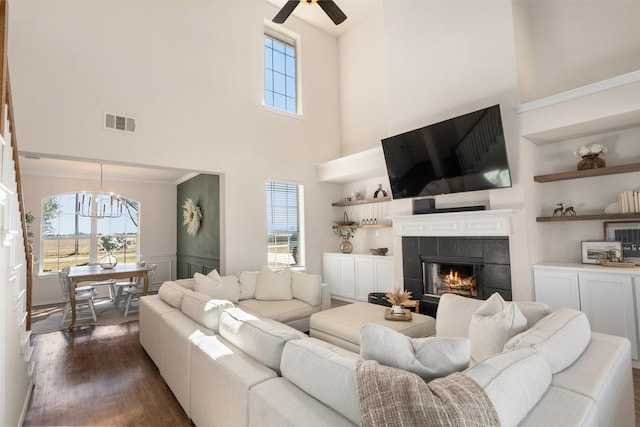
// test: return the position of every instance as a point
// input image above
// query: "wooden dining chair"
(83, 294)
(134, 291)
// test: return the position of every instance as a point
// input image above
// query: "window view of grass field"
(70, 238)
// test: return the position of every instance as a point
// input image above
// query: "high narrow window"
(70, 238)
(280, 71)
(285, 224)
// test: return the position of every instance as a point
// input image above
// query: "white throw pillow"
(204, 310)
(274, 285)
(307, 288)
(561, 337)
(492, 325)
(248, 281)
(429, 358)
(217, 287)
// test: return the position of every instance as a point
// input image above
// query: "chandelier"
(106, 205)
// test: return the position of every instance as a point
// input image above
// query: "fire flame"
(453, 280)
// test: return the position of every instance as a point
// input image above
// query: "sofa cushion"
(514, 381)
(492, 325)
(274, 284)
(326, 372)
(454, 315)
(561, 337)
(307, 287)
(247, 280)
(455, 312)
(282, 311)
(428, 358)
(393, 397)
(171, 293)
(218, 287)
(203, 309)
(257, 338)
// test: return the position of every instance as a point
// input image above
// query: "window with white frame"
(285, 224)
(280, 71)
(71, 237)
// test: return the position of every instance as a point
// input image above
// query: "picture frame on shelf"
(627, 232)
(596, 250)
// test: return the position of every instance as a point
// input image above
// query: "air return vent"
(122, 123)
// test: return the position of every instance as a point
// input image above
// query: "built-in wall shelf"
(362, 201)
(610, 170)
(346, 227)
(595, 217)
(384, 225)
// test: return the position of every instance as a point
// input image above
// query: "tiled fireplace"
(462, 253)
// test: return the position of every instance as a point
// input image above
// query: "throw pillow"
(492, 325)
(307, 288)
(216, 287)
(429, 358)
(393, 397)
(274, 285)
(248, 281)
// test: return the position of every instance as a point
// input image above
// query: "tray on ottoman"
(405, 316)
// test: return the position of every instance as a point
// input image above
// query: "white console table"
(609, 296)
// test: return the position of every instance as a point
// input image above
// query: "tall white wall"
(191, 73)
(575, 43)
(364, 94)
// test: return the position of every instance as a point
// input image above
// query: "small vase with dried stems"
(397, 298)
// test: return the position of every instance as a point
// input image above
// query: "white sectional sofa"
(243, 370)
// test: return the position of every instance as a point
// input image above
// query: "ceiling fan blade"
(285, 11)
(332, 9)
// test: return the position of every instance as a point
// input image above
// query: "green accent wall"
(199, 253)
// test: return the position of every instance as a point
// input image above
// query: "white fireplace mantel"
(470, 223)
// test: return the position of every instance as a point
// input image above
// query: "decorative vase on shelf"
(591, 161)
(108, 261)
(346, 246)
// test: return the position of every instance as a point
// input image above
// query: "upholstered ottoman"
(341, 325)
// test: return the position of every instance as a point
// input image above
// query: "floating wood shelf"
(363, 201)
(611, 170)
(385, 225)
(614, 217)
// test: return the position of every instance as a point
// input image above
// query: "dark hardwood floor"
(99, 376)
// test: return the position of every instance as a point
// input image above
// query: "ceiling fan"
(329, 7)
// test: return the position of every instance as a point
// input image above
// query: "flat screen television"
(466, 153)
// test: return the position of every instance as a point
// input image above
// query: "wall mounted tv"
(466, 153)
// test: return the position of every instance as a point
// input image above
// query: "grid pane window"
(285, 224)
(70, 239)
(280, 73)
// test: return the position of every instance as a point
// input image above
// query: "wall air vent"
(117, 122)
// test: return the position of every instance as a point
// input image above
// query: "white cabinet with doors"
(606, 295)
(353, 276)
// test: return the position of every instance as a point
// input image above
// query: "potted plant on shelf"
(397, 298)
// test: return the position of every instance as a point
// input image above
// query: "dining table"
(96, 273)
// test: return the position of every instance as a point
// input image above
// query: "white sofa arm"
(325, 296)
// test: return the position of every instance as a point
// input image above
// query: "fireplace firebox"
(474, 267)
(453, 278)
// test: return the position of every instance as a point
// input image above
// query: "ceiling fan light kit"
(329, 7)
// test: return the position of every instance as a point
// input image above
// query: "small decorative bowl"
(379, 251)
